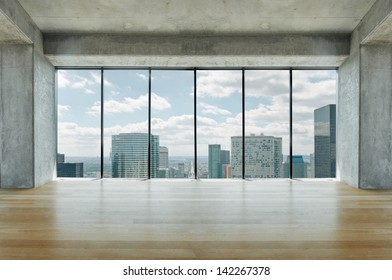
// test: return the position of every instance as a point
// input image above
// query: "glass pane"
(219, 123)
(172, 122)
(126, 123)
(267, 120)
(314, 124)
(79, 123)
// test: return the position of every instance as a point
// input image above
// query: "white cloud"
(218, 84)
(62, 109)
(89, 91)
(97, 79)
(129, 105)
(266, 83)
(82, 83)
(159, 102)
(142, 76)
(68, 79)
(213, 110)
(62, 80)
(75, 140)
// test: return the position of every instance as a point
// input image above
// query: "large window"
(196, 123)
(126, 123)
(314, 124)
(267, 123)
(219, 123)
(79, 123)
(172, 121)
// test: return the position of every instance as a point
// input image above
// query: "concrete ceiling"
(197, 16)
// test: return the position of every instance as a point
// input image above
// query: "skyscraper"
(60, 158)
(74, 169)
(163, 169)
(130, 155)
(163, 157)
(69, 169)
(325, 142)
(263, 156)
(225, 161)
(214, 161)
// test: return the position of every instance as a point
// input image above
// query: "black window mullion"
(102, 122)
(243, 123)
(195, 119)
(149, 125)
(291, 124)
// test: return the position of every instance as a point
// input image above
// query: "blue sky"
(218, 107)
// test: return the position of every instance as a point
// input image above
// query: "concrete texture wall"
(1, 115)
(376, 117)
(17, 162)
(188, 51)
(347, 142)
(27, 117)
(45, 129)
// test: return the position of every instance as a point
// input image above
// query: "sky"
(219, 105)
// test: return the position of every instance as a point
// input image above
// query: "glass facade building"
(130, 155)
(325, 141)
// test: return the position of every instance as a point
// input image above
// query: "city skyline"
(263, 157)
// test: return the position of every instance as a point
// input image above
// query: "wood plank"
(184, 219)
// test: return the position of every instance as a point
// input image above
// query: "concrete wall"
(27, 101)
(347, 142)
(1, 115)
(17, 162)
(188, 51)
(376, 117)
(27, 117)
(45, 129)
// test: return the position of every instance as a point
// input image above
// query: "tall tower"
(325, 142)
(130, 155)
(214, 161)
(163, 157)
(225, 161)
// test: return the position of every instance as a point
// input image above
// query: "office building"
(70, 169)
(214, 161)
(263, 156)
(181, 170)
(60, 158)
(163, 157)
(225, 161)
(325, 142)
(130, 155)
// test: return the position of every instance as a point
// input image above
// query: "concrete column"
(347, 136)
(17, 164)
(45, 121)
(364, 138)
(27, 124)
(375, 166)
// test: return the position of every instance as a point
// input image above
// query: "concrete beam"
(126, 50)
(376, 26)
(10, 33)
(16, 26)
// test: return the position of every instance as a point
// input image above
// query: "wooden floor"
(109, 219)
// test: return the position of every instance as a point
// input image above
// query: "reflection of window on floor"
(149, 119)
